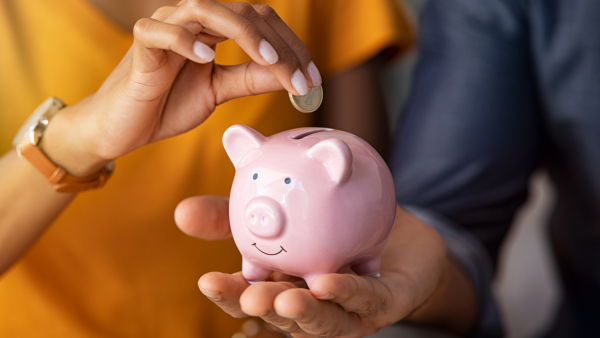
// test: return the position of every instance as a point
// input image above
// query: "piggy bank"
(308, 202)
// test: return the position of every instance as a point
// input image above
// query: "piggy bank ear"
(336, 156)
(238, 140)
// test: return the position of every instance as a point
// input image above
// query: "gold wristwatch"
(27, 140)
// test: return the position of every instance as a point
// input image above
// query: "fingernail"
(299, 83)
(267, 52)
(314, 74)
(203, 51)
(211, 294)
(328, 296)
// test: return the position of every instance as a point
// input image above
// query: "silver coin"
(310, 102)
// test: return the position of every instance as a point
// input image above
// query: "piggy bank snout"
(264, 217)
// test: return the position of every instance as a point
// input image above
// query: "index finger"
(246, 27)
(212, 17)
(294, 43)
(224, 290)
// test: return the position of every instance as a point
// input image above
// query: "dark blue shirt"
(503, 88)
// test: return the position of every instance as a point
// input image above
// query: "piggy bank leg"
(369, 267)
(254, 273)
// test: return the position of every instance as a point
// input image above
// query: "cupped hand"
(418, 283)
(168, 83)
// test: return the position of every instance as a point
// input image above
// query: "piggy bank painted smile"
(308, 202)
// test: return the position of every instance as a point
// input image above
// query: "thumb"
(204, 217)
(245, 79)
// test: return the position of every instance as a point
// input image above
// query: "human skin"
(419, 283)
(350, 93)
(160, 89)
(24, 187)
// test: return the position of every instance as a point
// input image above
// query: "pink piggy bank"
(308, 202)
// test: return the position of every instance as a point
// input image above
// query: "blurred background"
(526, 286)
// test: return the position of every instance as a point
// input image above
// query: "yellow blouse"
(114, 264)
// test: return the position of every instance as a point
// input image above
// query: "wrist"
(453, 305)
(66, 145)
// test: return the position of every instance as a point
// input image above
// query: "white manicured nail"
(203, 51)
(314, 74)
(267, 52)
(299, 83)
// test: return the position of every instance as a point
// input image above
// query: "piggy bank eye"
(287, 180)
(255, 176)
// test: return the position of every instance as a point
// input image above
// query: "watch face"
(47, 109)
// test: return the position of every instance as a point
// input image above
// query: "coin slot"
(310, 132)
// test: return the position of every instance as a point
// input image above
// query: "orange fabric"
(114, 264)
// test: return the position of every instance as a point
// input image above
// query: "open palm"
(416, 274)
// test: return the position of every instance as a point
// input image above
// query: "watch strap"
(58, 177)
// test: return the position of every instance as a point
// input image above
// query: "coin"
(310, 102)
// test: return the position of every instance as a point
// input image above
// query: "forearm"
(452, 306)
(28, 205)
(451, 303)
